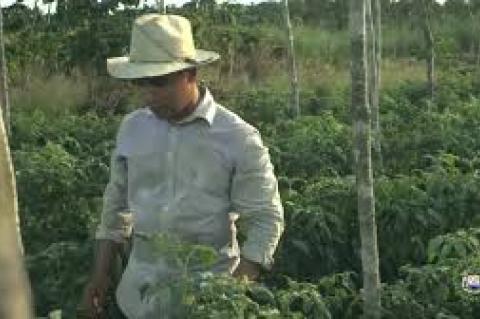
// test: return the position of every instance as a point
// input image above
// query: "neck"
(189, 107)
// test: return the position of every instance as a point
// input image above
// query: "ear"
(191, 75)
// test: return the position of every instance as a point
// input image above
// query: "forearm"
(263, 231)
(94, 295)
(255, 197)
(247, 268)
(116, 221)
(106, 253)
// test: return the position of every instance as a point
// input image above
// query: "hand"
(93, 301)
(94, 298)
(248, 269)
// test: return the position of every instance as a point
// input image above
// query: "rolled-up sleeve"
(116, 221)
(255, 197)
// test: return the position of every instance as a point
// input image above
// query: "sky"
(6, 3)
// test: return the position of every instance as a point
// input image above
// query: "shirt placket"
(171, 165)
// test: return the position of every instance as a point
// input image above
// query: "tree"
(473, 6)
(425, 9)
(363, 161)
(295, 97)
(161, 6)
(340, 13)
(374, 36)
(457, 7)
(15, 301)
(4, 77)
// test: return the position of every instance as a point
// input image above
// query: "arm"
(255, 197)
(116, 221)
(95, 293)
(112, 233)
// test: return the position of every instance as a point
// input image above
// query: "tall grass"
(402, 40)
(322, 55)
(54, 94)
(330, 47)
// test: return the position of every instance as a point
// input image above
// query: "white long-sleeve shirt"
(184, 179)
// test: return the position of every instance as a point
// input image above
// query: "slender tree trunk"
(478, 55)
(377, 18)
(397, 23)
(295, 90)
(430, 54)
(14, 288)
(49, 12)
(161, 6)
(231, 60)
(477, 44)
(374, 61)
(4, 77)
(372, 67)
(232, 46)
(363, 162)
(473, 45)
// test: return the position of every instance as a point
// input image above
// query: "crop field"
(65, 112)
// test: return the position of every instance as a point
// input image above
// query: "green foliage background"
(427, 191)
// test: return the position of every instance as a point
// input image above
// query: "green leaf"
(433, 249)
(302, 246)
(261, 295)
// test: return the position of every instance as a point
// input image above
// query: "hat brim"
(123, 68)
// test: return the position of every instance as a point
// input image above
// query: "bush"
(311, 147)
(61, 173)
(58, 275)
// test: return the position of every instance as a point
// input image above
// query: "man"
(181, 166)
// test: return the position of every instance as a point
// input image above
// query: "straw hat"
(160, 44)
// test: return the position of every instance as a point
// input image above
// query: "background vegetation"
(65, 112)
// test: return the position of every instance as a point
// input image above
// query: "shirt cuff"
(258, 256)
(118, 231)
(113, 235)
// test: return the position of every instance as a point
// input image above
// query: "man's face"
(167, 95)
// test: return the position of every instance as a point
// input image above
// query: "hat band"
(178, 60)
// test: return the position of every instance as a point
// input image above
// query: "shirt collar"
(206, 109)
